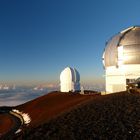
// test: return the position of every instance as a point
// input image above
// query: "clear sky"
(39, 38)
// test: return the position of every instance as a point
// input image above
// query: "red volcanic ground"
(49, 106)
(6, 123)
(44, 108)
(110, 117)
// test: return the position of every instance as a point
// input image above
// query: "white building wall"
(66, 86)
(116, 77)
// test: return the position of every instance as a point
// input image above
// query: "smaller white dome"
(69, 80)
(70, 74)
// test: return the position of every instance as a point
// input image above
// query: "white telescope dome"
(121, 59)
(124, 47)
(69, 80)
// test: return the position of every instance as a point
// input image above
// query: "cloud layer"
(20, 96)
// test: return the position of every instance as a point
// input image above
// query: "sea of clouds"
(20, 95)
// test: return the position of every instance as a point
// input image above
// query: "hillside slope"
(115, 116)
(48, 106)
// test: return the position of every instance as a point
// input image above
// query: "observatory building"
(69, 80)
(121, 59)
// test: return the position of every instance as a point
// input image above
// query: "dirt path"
(9, 124)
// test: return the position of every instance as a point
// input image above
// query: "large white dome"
(69, 80)
(123, 48)
(121, 59)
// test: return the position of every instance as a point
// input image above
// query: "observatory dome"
(123, 48)
(69, 80)
(121, 59)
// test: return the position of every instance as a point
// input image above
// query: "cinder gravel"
(111, 117)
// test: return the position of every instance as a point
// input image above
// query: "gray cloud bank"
(23, 94)
(20, 96)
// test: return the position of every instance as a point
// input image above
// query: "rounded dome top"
(70, 74)
(123, 48)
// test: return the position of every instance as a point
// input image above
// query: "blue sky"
(39, 38)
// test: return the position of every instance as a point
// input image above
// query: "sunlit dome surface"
(125, 44)
(70, 74)
(69, 80)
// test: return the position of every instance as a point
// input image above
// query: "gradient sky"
(39, 38)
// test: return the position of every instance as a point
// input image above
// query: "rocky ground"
(115, 116)
(41, 110)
